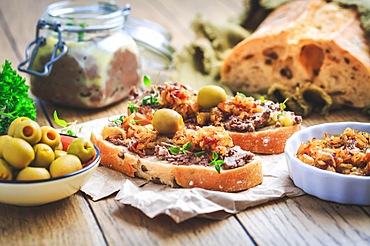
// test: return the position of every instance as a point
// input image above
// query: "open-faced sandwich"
(183, 138)
(260, 126)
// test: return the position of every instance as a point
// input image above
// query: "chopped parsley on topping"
(176, 149)
(216, 162)
(150, 100)
(133, 108)
(199, 153)
(118, 121)
(153, 98)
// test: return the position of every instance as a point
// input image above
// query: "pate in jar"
(84, 58)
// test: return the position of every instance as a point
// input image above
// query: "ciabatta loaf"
(304, 41)
(148, 157)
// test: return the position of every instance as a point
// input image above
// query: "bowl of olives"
(38, 165)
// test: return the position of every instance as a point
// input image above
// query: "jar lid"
(152, 37)
(85, 15)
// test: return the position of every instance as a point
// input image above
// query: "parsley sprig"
(152, 99)
(132, 107)
(216, 161)
(14, 99)
(199, 153)
(175, 150)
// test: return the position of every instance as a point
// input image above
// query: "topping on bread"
(259, 126)
(203, 157)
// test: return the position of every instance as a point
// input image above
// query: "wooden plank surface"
(66, 222)
(126, 224)
(78, 220)
(307, 221)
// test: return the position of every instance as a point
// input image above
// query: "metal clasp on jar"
(33, 48)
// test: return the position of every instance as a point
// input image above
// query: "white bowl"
(327, 185)
(31, 193)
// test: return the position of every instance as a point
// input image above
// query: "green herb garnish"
(150, 100)
(176, 149)
(69, 128)
(216, 162)
(118, 121)
(283, 106)
(199, 153)
(147, 81)
(262, 98)
(14, 99)
(132, 107)
(153, 98)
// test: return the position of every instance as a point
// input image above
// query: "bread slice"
(270, 140)
(304, 41)
(188, 176)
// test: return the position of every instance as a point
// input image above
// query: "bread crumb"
(239, 182)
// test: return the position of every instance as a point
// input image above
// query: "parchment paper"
(182, 204)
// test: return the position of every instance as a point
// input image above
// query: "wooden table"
(78, 220)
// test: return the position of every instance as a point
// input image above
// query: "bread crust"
(121, 159)
(265, 141)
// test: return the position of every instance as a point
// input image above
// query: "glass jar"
(84, 58)
(154, 43)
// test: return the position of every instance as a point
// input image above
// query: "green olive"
(60, 146)
(210, 96)
(50, 136)
(5, 171)
(44, 155)
(13, 125)
(28, 130)
(33, 173)
(82, 148)
(58, 153)
(64, 165)
(3, 140)
(18, 153)
(167, 121)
